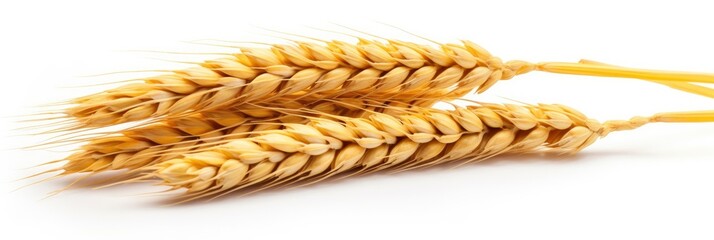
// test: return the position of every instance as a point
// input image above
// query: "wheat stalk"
(384, 71)
(326, 147)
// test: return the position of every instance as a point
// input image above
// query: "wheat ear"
(395, 70)
(392, 70)
(327, 147)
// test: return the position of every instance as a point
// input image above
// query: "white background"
(655, 182)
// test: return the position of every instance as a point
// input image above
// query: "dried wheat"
(392, 70)
(326, 147)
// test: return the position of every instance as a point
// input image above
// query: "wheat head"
(391, 70)
(420, 137)
(394, 70)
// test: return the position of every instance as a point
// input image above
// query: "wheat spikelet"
(327, 147)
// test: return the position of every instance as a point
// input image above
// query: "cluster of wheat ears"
(299, 113)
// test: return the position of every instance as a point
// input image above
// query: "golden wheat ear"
(683, 81)
(328, 146)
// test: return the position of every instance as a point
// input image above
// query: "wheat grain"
(326, 147)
